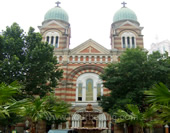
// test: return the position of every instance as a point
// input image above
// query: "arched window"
(56, 42)
(80, 92)
(53, 39)
(133, 42)
(98, 91)
(47, 38)
(89, 87)
(124, 43)
(128, 40)
(89, 90)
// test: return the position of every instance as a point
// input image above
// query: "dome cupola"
(56, 13)
(124, 14)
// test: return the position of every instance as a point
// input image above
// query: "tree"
(27, 59)
(12, 56)
(41, 65)
(48, 108)
(159, 96)
(11, 110)
(133, 116)
(128, 79)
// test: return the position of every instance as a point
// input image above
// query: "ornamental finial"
(124, 4)
(58, 3)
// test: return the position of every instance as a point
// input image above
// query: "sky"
(90, 19)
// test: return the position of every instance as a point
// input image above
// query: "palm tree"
(159, 96)
(45, 108)
(9, 106)
(133, 116)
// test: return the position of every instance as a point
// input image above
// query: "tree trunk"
(140, 130)
(6, 129)
(33, 127)
(150, 129)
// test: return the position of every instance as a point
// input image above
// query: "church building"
(82, 65)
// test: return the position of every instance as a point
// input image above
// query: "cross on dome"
(124, 4)
(58, 3)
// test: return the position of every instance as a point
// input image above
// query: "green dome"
(124, 14)
(56, 13)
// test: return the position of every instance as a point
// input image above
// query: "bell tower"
(55, 28)
(125, 30)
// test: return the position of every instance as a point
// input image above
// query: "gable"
(53, 24)
(129, 25)
(90, 47)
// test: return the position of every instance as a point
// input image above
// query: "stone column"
(130, 42)
(95, 59)
(83, 93)
(89, 59)
(114, 58)
(84, 59)
(73, 58)
(100, 59)
(95, 93)
(126, 43)
(106, 59)
(166, 129)
(79, 59)
(54, 41)
(76, 93)
(65, 58)
(49, 40)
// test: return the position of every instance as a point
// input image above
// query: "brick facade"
(87, 58)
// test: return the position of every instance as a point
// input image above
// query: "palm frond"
(159, 93)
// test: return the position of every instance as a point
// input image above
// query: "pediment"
(130, 24)
(90, 47)
(53, 24)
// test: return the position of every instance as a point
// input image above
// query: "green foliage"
(8, 91)
(47, 108)
(133, 116)
(159, 96)
(1, 47)
(14, 42)
(25, 58)
(41, 65)
(159, 93)
(128, 79)
(11, 110)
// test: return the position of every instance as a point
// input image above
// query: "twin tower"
(81, 83)
(125, 29)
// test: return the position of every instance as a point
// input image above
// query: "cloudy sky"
(91, 18)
